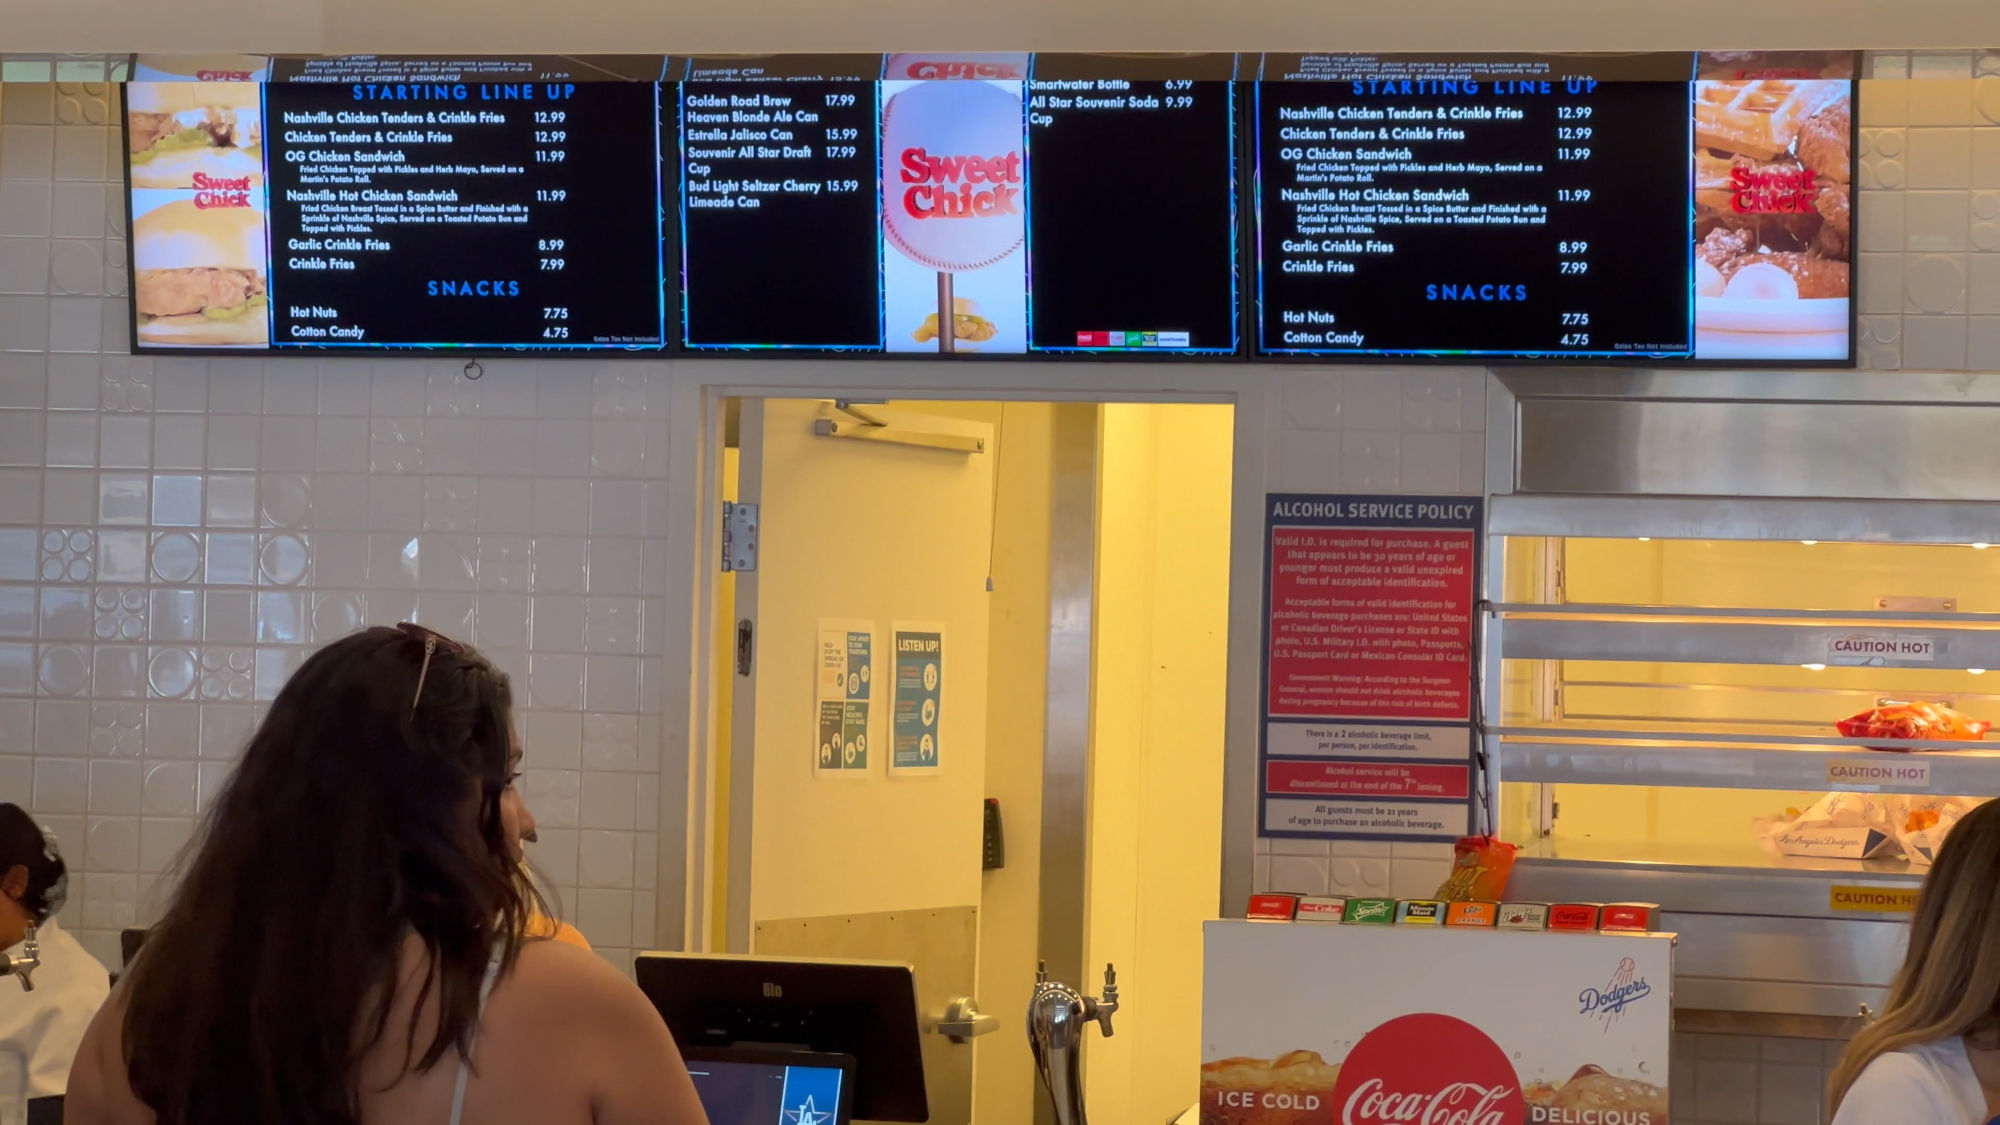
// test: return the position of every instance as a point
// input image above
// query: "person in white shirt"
(39, 1028)
(1933, 1056)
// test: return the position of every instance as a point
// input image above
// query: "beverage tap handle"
(1103, 1009)
(24, 966)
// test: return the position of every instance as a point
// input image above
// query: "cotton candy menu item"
(1927, 721)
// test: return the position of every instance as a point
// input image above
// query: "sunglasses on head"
(434, 643)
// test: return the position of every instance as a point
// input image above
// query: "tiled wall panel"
(176, 534)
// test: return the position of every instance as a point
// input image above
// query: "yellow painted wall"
(1837, 576)
(1158, 672)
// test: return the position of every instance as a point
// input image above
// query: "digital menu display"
(1132, 207)
(1474, 216)
(1654, 207)
(483, 214)
(959, 204)
(494, 215)
(778, 206)
(1440, 207)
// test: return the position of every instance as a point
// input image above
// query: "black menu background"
(594, 211)
(799, 269)
(1633, 297)
(1131, 212)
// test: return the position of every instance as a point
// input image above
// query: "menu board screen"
(960, 205)
(1474, 216)
(1131, 210)
(484, 214)
(778, 214)
(1672, 207)
(1656, 207)
(489, 215)
(201, 276)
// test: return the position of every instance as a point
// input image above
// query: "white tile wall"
(176, 534)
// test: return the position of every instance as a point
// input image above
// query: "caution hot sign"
(1874, 900)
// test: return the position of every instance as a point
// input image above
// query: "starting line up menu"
(1424, 216)
(475, 214)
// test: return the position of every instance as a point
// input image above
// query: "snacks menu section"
(779, 242)
(467, 214)
(1474, 216)
(1131, 212)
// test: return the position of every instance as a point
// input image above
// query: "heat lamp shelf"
(1741, 759)
(1812, 638)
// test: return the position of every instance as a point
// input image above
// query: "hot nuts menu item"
(1571, 1033)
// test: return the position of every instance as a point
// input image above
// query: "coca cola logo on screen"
(1428, 1069)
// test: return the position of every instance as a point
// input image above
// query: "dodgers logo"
(1624, 989)
(812, 1095)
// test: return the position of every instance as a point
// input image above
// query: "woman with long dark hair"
(40, 1026)
(1933, 1056)
(348, 943)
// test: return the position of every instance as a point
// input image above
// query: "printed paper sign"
(1367, 779)
(918, 707)
(1369, 740)
(1368, 666)
(1390, 1025)
(1364, 820)
(844, 683)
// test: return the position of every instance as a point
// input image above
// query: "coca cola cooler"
(1384, 1025)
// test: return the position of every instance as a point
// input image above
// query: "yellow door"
(838, 807)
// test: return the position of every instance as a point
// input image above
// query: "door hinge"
(739, 537)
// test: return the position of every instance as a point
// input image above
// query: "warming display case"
(1692, 580)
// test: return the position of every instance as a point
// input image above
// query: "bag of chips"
(1479, 869)
(1927, 721)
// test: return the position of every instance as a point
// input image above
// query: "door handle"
(963, 1021)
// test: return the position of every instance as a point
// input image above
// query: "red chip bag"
(1479, 869)
(1927, 721)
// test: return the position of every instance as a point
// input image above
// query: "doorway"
(963, 613)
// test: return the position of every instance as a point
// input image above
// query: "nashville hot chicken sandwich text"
(199, 281)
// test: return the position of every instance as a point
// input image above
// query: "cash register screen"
(762, 1088)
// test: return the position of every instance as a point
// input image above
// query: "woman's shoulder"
(554, 976)
(1924, 1082)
